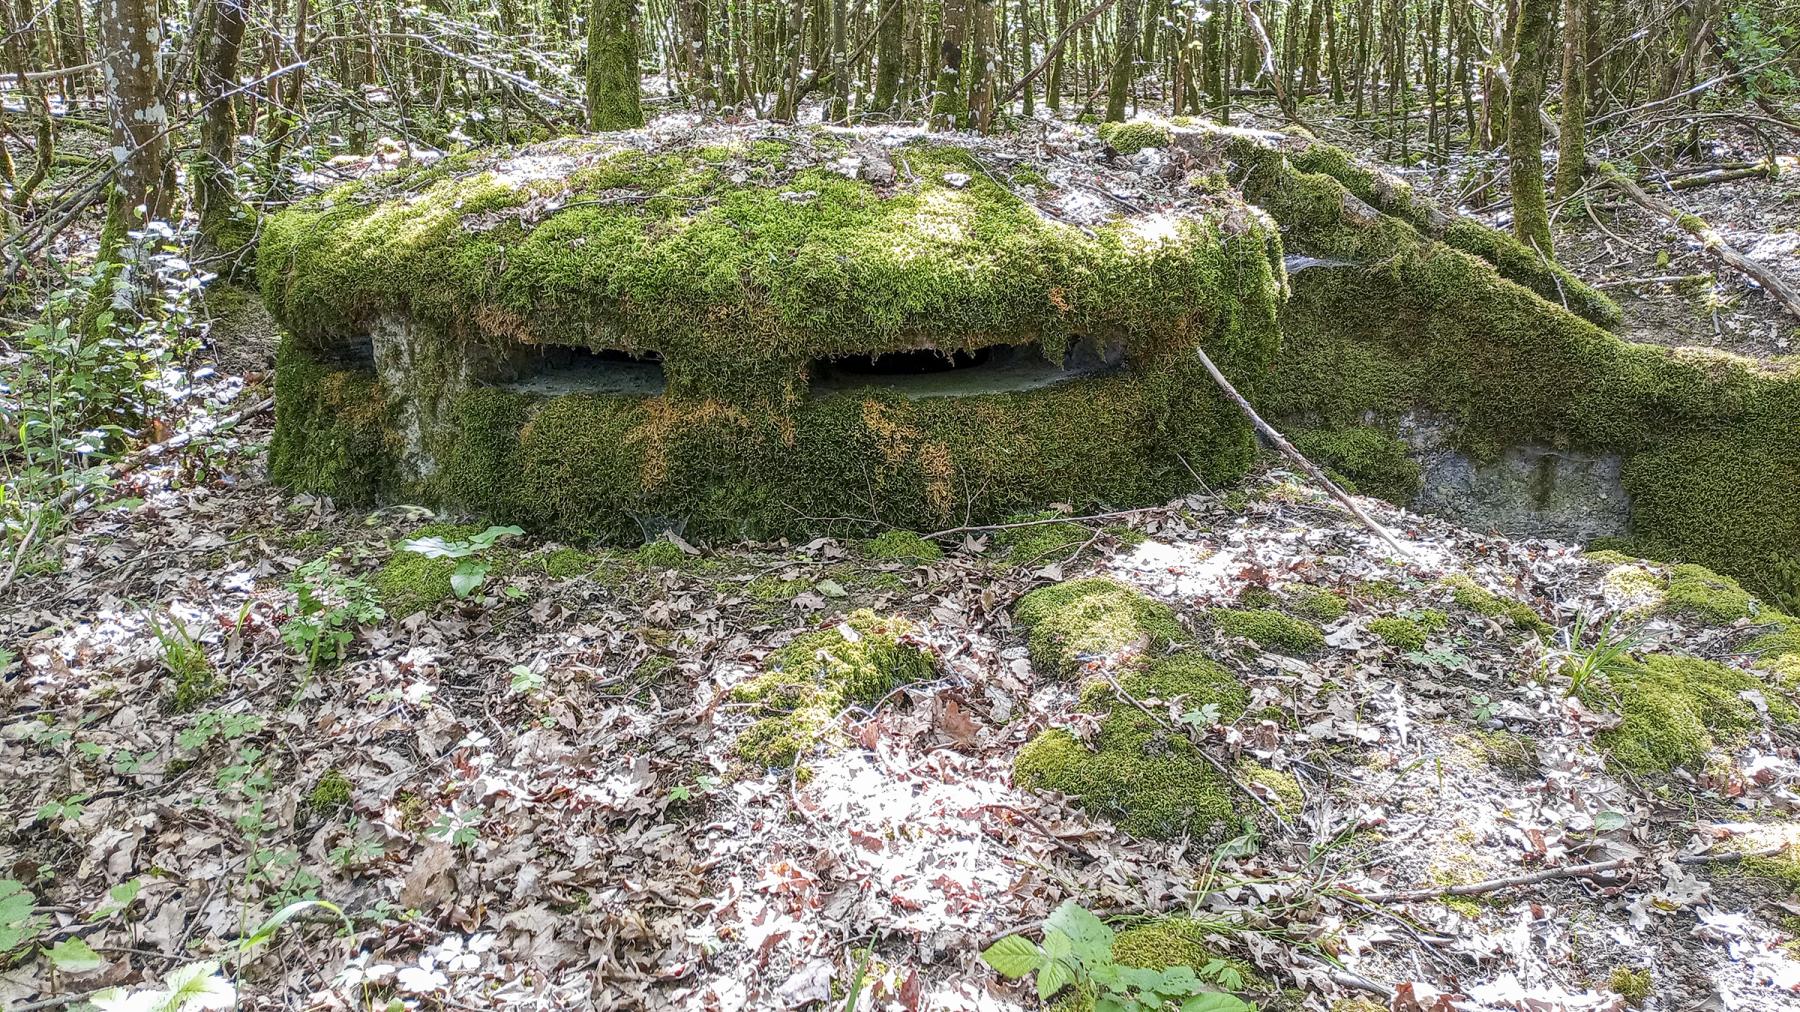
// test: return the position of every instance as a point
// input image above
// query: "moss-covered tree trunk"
(612, 72)
(1571, 146)
(950, 106)
(222, 220)
(143, 185)
(1124, 60)
(889, 55)
(1525, 143)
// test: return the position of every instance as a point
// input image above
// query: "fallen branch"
(1709, 237)
(1765, 168)
(1662, 279)
(1496, 884)
(1288, 450)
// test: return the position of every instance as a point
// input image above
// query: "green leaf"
(1013, 957)
(1052, 977)
(467, 577)
(1216, 1001)
(1092, 938)
(72, 955)
(117, 898)
(1057, 945)
(266, 930)
(831, 588)
(1610, 820)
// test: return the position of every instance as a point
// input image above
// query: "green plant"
(1584, 657)
(185, 661)
(1078, 950)
(461, 828)
(328, 608)
(18, 925)
(470, 572)
(86, 379)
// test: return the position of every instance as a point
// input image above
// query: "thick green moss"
(1400, 633)
(661, 554)
(739, 271)
(808, 682)
(1151, 781)
(1071, 624)
(1130, 138)
(1676, 709)
(333, 431)
(330, 793)
(410, 582)
(902, 546)
(1375, 463)
(1318, 603)
(1467, 594)
(1704, 594)
(1271, 629)
(1631, 983)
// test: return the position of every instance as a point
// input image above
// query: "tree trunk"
(889, 56)
(1571, 146)
(144, 181)
(949, 107)
(1124, 61)
(214, 178)
(613, 87)
(1525, 131)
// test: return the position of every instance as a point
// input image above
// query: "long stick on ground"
(1709, 237)
(1287, 449)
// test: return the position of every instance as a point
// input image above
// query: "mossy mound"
(1318, 603)
(741, 271)
(1677, 709)
(1700, 593)
(1039, 537)
(1081, 621)
(1151, 780)
(329, 794)
(1271, 630)
(808, 682)
(1399, 632)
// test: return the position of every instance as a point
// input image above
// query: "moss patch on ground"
(1677, 709)
(329, 794)
(1701, 593)
(410, 582)
(1270, 629)
(1152, 781)
(1470, 595)
(1318, 603)
(1399, 633)
(902, 546)
(1074, 623)
(808, 682)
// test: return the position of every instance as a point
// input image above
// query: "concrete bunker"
(777, 333)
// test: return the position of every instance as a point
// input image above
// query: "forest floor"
(531, 796)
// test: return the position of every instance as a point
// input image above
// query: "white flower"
(423, 978)
(460, 955)
(360, 971)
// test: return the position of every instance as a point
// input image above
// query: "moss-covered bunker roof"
(757, 245)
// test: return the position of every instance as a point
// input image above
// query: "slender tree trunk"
(889, 57)
(1124, 61)
(1531, 217)
(213, 174)
(614, 101)
(949, 105)
(144, 181)
(1571, 146)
